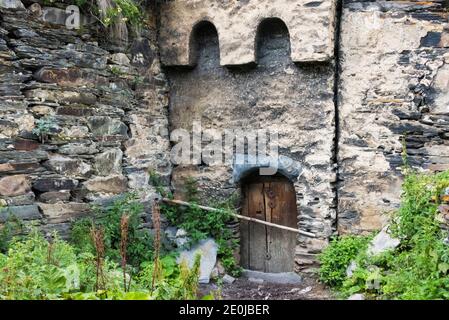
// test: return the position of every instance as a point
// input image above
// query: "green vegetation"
(125, 10)
(35, 268)
(337, 256)
(139, 241)
(109, 258)
(44, 127)
(200, 224)
(418, 268)
(116, 71)
(12, 227)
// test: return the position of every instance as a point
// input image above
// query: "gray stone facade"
(107, 111)
(345, 84)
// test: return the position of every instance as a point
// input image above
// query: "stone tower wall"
(345, 86)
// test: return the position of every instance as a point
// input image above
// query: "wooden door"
(265, 248)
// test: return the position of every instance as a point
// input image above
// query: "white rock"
(208, 249)
(305, 290)
(12, 4)
(382, 242)
(350, 269)
(228, 279)
(170, 233)
(181, 233)
(180, 242)
(181, 237)
(120, 58)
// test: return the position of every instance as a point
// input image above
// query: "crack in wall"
(338, 16)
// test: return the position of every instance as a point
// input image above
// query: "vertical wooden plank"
(245, 240)
(282, 242)
(257, 232)
(266, 248)
(269, 230)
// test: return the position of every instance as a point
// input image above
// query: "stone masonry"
(274, 93)
(393, 87)
(346, 84)
(107, 110)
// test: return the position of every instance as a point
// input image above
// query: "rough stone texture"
(27, 212)
(382, 242)
(228, 279)
(109, 162)
(111, 184)
(12, 4)
(111, 128)
(14, 186)
(68, 166)
(310, 23)
(106, 125)
(296, 101)
(63, 212)
(393, 86)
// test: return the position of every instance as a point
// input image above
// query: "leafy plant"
(116, 71)
(126, 10)
(200, 224)
(30, 270)
(337, 256)
(12, 227)
(175, 281)
(44, 127)
(419, 267)
(139, 241)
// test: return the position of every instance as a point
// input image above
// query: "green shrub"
(337, 256)
(200, 224)
(12, 227)
(140, 242)
(45, 127)
(36, 269)
(175, 281)
(128, 10)
(418, 268)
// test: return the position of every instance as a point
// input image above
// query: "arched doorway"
(264, 248)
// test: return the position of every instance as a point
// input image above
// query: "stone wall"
(275, 93)
(105, 105)
(342, 115)
(310, 23)
(394, 83)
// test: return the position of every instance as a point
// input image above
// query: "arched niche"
(204, 45)
(272, 41)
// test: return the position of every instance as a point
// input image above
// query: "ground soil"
(244, 289)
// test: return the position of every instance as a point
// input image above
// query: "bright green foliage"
(200, 224)
(35, 268)
(10, 228)
(140, 243)
(126, 10)
(337, 256)
(418, 268)
(176, 281)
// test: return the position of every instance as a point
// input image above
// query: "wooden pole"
(184, 203)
